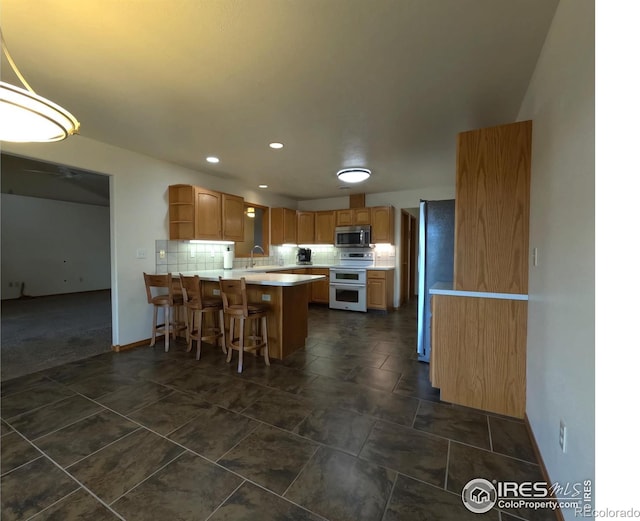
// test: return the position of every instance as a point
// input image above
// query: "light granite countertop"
(261, 278)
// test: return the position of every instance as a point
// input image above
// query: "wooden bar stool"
(236, 307)
(198, 306)
(161, 293)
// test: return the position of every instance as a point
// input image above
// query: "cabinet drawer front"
(376, 274)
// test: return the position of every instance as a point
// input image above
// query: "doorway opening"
(55, 263)
(408, 254)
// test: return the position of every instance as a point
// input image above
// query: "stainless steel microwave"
(353, 236)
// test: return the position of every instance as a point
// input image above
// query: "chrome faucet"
(251, 253)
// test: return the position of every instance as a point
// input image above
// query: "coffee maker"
(303, 256)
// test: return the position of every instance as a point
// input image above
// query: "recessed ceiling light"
(213, 159)
(353, 175)
(276, 145)
(263, 186)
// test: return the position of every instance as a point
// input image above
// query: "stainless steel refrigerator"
(435, 262)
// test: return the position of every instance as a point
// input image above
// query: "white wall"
(139, 215)
(399, 200)
(53, 246)
(561, 339)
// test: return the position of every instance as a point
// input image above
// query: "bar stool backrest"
(191, 291)
(158, 286)
(234, 295)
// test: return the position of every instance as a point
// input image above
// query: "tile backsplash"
(177, 256)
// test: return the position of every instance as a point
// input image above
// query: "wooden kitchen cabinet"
(319, 289)
(478, 342)
(380, 289)
(199, 213)
(208, 215)
(232, 218)
(194, 213)
(492, 209)
(181, 212)
(361, 216)
(325, 227)
(284, 226)
(478, 352)
(306, 227)
(353, 216)
(382, 224)
(344, 217)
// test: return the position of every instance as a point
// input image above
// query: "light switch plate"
(141, 253)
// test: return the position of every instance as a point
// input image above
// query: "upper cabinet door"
(382, 228)
(325, 227)
(290, 226)
(283, 226)
(232, 218)
(492, 209)
(208, 225)
(344, 217)
(306, 227)
(361, 216)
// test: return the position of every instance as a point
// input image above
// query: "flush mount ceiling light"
(27, 117)
(213, 159)
(276, 145)
(354, 175)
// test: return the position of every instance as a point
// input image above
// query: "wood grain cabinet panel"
(382, 224)
(361, 216)
(306, 227)
(344, 217)
(232, 218)
(492, 209)
(284, 225)
(353, 216)
(325, 227)
(320, 288)
(480, 352)
(208, 215)
(380, 289)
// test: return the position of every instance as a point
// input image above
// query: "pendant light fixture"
(27, 117)
(354, 175)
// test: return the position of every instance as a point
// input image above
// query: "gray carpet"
(42, 332)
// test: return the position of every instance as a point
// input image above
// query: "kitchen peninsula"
(285, 295)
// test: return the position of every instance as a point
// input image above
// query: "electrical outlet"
(163, 254)
(193, 252)
(535, 257)
(216, 292)
(266, 297)
(563, 436)
(141, 253)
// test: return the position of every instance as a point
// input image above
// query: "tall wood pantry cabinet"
(478, 338)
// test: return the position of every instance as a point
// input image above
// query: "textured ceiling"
(385, 84)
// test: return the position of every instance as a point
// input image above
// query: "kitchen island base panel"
(287, 314)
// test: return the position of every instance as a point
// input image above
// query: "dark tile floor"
(347, 429)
